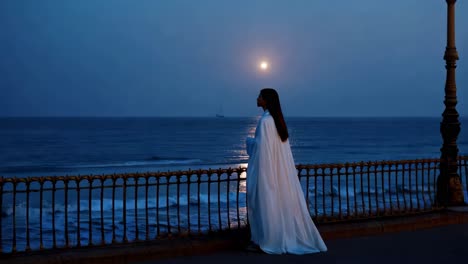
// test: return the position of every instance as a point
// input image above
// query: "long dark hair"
(274, 107)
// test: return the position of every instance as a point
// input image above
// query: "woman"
(278, 216)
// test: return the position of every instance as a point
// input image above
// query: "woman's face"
(260, 101)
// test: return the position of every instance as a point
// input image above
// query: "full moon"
(264, 65)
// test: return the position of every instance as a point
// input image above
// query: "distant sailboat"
(220, 113)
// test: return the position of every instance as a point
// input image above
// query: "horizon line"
(210, 116)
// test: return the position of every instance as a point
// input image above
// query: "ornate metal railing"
(75, 211)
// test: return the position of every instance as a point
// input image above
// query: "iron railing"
(75, 211)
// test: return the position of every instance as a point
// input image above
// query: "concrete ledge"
(236, 239)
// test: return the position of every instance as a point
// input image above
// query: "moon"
(264, 65)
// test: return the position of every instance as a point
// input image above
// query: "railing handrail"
(123, 175)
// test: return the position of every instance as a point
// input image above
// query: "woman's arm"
(250, 144)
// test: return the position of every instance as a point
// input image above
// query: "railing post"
(449, 189)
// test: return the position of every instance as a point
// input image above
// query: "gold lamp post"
(449, 188)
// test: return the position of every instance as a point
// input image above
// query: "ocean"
(72, 146)
(79, 146)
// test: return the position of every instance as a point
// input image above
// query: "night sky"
(191, 58)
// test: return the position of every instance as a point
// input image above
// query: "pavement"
(420, 238)
(436, 245)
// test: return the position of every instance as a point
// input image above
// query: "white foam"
(138, 163)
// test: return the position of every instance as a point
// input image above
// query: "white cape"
(278, 216)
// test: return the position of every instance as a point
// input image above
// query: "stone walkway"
(446, 244)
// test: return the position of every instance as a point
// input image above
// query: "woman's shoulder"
(266, 115)
(266, 119)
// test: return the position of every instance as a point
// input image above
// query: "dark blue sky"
(188, 58)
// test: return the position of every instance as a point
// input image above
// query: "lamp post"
(449, 188)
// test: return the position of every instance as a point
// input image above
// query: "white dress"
(278, 216)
